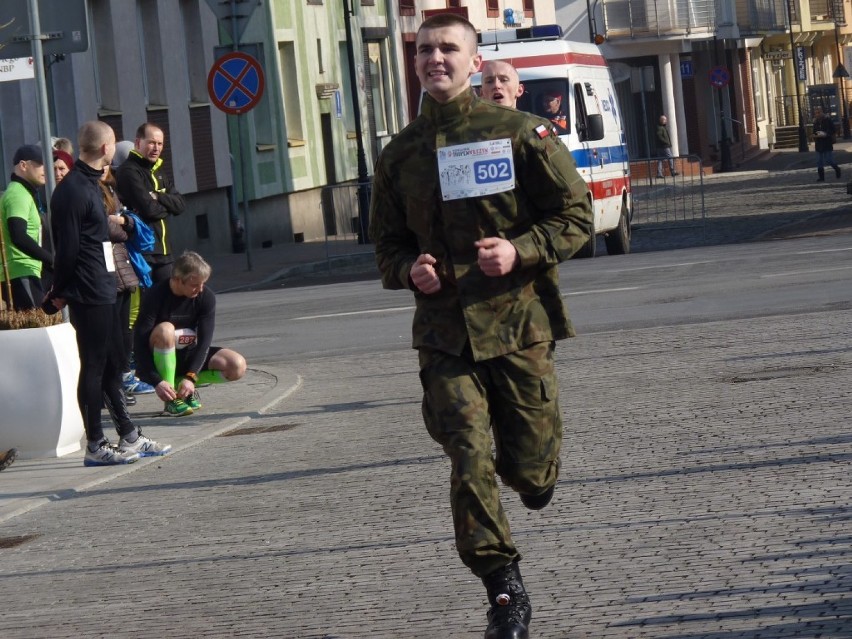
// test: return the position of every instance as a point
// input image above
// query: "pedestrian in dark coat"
(824, 143)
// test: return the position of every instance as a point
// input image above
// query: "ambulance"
(575, 76)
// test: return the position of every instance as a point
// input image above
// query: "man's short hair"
(142, 131)
(441, 20)
(93, 135)
(191, 264)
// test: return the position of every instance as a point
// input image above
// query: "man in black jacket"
(84, 278)
(144, 187)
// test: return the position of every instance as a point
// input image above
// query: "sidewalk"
(29, 483)
(793, 159)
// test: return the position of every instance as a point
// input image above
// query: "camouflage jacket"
(546, 216)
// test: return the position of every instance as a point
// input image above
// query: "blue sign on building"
(686, 70)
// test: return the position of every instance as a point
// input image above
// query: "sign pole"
(235, 37)
(41, 100)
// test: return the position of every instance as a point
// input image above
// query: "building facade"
(733, 76)
(331, 81)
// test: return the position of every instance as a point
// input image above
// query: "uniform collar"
(455, 108)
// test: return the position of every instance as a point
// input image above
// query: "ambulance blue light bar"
(538, 32)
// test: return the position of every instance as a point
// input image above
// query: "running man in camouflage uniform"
(473, 206)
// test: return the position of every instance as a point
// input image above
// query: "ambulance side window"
(589, 125)
(579, 108)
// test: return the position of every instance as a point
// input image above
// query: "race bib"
(476, 169)
(108, 259)
(185, 337)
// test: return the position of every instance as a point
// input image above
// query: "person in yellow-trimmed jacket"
(144, 188)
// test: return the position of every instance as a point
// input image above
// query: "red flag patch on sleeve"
(542, 131)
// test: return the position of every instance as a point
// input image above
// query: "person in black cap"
(20, 209)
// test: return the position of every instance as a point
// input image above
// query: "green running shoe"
(194, 401)
(178, 408)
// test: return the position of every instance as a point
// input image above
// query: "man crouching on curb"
(173, 337)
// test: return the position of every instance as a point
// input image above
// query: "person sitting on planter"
(20, 209)
(174, 333)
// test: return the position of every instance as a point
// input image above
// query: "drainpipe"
(363, 177)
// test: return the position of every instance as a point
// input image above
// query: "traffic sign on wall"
(719, 77)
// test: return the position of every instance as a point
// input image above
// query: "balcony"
(757, 17)
(658, 18)
(823, 10)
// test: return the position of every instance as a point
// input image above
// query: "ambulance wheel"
(589, 248)
(618, 240)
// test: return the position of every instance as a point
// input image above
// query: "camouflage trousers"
(511, 401)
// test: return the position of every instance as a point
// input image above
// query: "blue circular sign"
(235, 83)
(719, 77)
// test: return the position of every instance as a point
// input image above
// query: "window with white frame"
(290, 87)
(150, 42)
(378, 92)
(757, 91)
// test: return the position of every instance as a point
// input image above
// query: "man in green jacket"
(22, 230)
(473, 207)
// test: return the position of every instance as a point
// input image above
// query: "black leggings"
(100, 370)
(122, 338)
(26, 292)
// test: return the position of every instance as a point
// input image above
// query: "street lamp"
(803, 134)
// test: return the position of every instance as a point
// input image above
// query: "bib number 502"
(492, 171)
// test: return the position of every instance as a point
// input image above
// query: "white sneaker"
(109, 455)
(144, 447)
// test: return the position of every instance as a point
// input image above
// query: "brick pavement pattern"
(705, 495)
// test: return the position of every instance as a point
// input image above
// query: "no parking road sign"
(719, 77)
(235, 83)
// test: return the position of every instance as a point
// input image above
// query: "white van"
(577, 72)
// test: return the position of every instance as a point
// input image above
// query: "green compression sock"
(165, 361)
(211, 377)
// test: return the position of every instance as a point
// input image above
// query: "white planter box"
(39, 414)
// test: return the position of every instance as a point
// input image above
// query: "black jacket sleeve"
(134, 190)
(26, 244)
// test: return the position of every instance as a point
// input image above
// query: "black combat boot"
(510, 612)
(537, 502)
(821, 173)
(836, 170)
